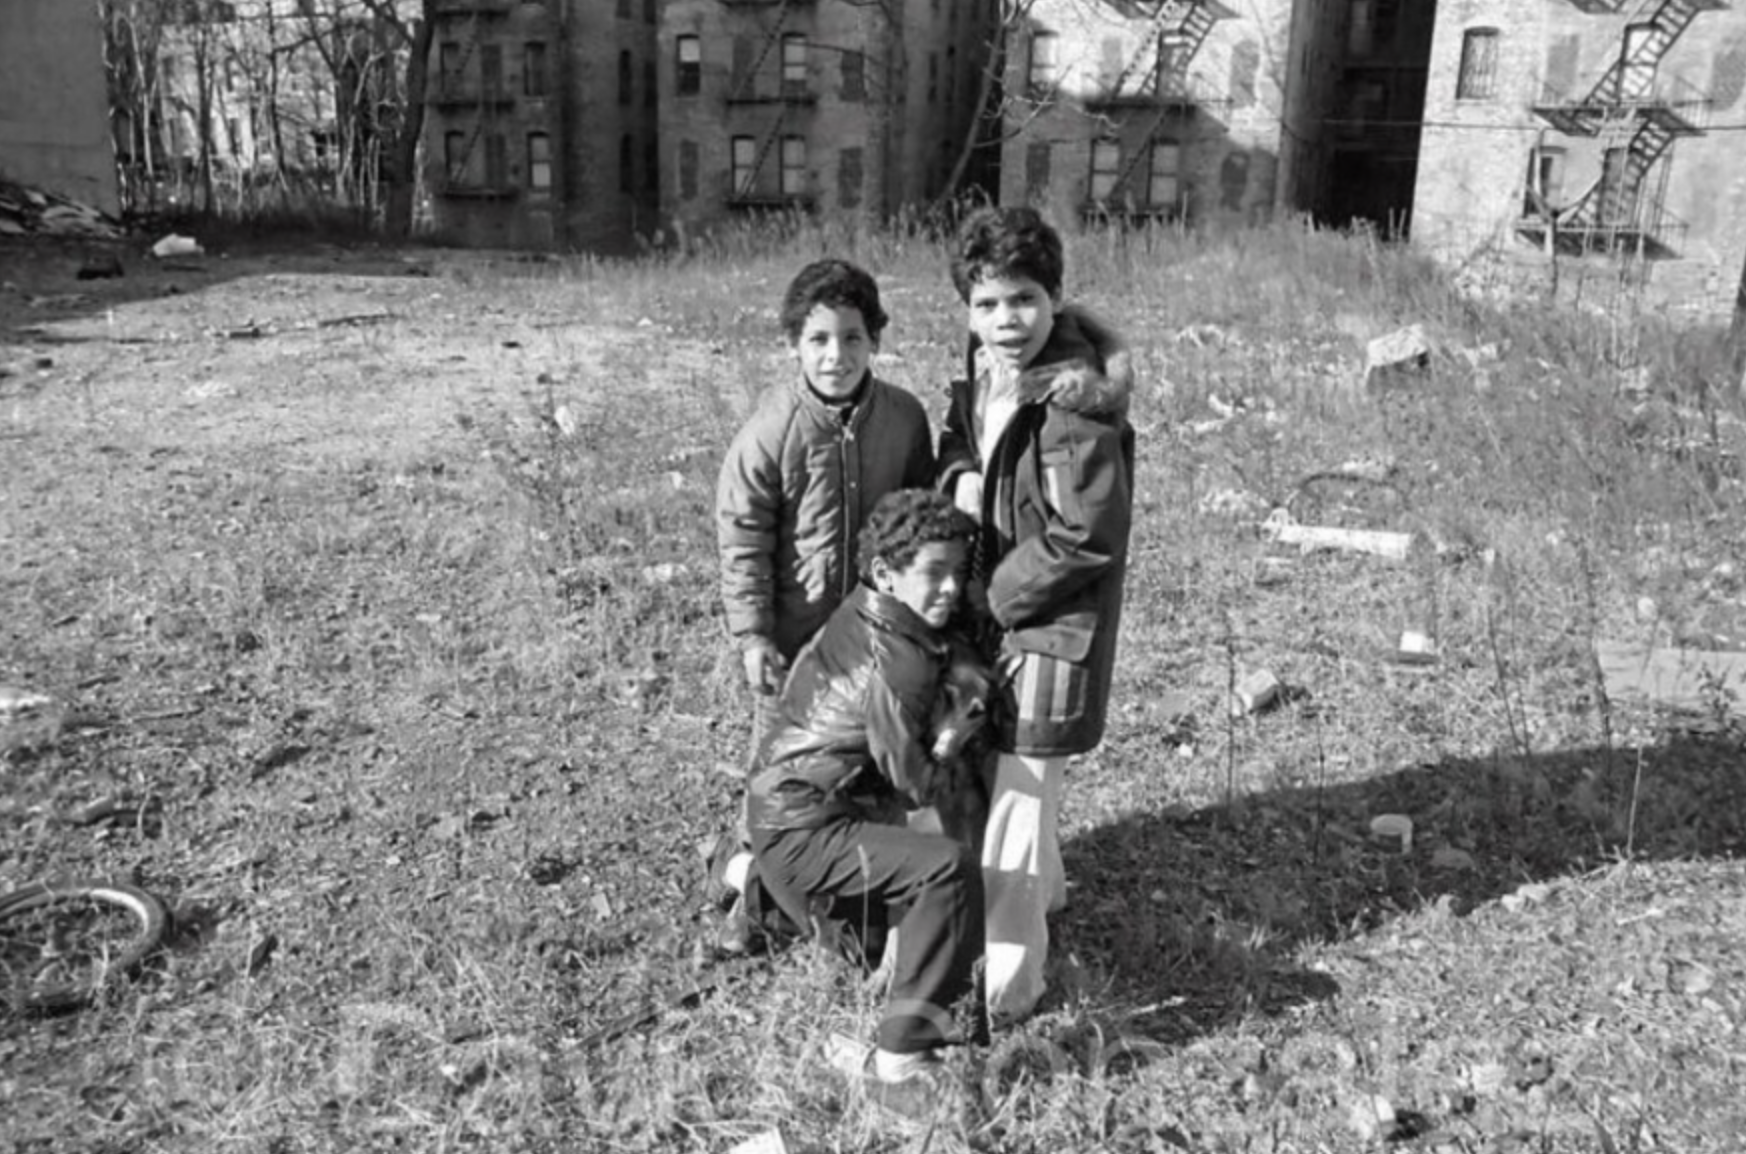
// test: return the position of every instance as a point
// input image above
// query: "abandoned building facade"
(54, 127)
(1592, 128)
(1604, 129)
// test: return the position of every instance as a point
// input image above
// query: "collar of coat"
(1084, 366)
(887, 612)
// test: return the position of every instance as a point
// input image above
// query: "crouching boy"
(847, 757)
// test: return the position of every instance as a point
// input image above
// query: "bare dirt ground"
(381, 585)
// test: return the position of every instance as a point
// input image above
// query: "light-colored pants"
(1024, 878)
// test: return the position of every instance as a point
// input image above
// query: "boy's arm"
(957, 450)
(748, 503)
(898, 742)
(1087, 511)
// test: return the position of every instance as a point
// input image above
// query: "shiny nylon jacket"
(796, 486)
(850, 734)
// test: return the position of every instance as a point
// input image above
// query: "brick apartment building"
(1206, 110)
(815, 104)
(1610, 130)
(540, 126)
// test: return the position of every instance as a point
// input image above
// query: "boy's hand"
(764, 665)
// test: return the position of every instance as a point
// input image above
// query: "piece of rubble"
(1685, 680)
(174, 244)
(1258, 691)
(1281, 527)
(1415, 648)
(1399, 356)
(1394, 828)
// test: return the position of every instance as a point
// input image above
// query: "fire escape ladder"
(750, 184)
(458, 173)
(1196, 23)
(1168, 11)
(1631, 79)
(745, 89)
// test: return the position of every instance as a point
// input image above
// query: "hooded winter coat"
(850, 736)
(1057, 502)
(796, 485)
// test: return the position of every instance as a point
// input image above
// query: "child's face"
(834, 349)
(930, 584)
(1012, 316)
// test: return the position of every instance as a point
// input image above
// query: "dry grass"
(408, 623)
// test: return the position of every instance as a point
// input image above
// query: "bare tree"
(402, 170)
(992, 99)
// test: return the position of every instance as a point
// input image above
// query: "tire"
(45, 969)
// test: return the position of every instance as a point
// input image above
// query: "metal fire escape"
(1156, 79)
(1635, 116)
(753, 88)
(481, 98)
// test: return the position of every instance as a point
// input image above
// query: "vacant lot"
(380, 584)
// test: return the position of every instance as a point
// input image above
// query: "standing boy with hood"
(1038, 448)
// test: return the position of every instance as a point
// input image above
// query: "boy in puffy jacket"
(847, 756)
(816, 455)
(1038, 448)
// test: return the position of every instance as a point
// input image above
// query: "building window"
(1360, 29)
(1037, 170)
(649, 16)
(627, 179)
(1545, 182)
(1618, 188)
(690, 56)
(491, 69)
(652, 165)
(1106, 168)
(1478, 76)
(854, 76)
(534, 79)
(687, 169)
(1173, 54)
(1164, 180)
(625, 84)
(793, 63)
(793, 165)
(624, 9)
(951, 76)
(1045, 70)
(539, 162)
(742, 154)
(449, 66)
(850, 174)
(649, 84)
(933, 77)
(454, 156)
(496, 160)
(1245, 65)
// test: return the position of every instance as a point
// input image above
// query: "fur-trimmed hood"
(1085, 367)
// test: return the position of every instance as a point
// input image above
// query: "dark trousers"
(856, 879)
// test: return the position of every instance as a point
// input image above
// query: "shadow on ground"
(1185, 921)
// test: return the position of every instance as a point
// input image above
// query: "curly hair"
(905, 520)
(835, 284)
(1008, 242)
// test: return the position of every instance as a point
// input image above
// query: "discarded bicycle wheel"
(61, 943)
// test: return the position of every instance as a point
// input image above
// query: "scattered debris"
(848, 1056)
(1528, 894)
(1258, 691)
(769, 1142)
(1415, 649)
(81, 953)
(1390, 360)
(104, 266)
(1270, 571)
(1282, 528)
(27, 211)
(1393, 827)
(174, 244)
(261, 953)
(1701, 681)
